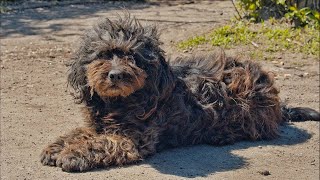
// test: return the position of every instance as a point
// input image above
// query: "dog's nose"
(115, 75)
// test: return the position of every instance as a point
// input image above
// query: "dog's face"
(118, 58)
(115, 75)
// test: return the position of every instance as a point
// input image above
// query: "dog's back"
(244, 95)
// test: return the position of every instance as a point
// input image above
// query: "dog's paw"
(50, 154)
(72, 163)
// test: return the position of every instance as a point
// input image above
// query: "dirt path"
(36, 107)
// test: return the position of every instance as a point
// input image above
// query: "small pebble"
(287, 76)
(265, 173)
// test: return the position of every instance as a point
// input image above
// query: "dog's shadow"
(200, 161)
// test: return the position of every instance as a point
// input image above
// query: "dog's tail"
(299, 114)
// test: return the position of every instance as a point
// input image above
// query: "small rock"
(265, 173)
(305, 74)
(287, 76)
(185, 51)
(281, 63)
(260, 147)
(275, 62)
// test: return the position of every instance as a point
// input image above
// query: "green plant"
(266, 37)
(192, 42)
(260, 10)
(303, 17)
(225, 36)
(234, 34)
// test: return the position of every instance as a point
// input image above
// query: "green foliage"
(225, 36)
(235, 34)
(265, 38)
(303, 16)
(259, 10)
(192, 42)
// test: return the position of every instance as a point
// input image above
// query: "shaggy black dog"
(136, 104)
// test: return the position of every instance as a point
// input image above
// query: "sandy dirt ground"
(36, 107)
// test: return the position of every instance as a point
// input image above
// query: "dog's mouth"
(119, 84)
(118, 89)
(114, 86)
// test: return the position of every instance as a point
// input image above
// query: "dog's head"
(117, 59)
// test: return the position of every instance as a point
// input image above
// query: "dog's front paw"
(72, 163)
(50, 154)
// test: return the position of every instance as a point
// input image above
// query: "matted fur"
(204, 99)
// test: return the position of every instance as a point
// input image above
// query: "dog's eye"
(130, 59)
(105, 55)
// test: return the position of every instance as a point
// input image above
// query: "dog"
(136, 103)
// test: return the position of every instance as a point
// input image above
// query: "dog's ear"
(78, 81)
(165, 80)
(160, 87)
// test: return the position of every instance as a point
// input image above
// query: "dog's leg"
(102, 151)
(50, 154)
